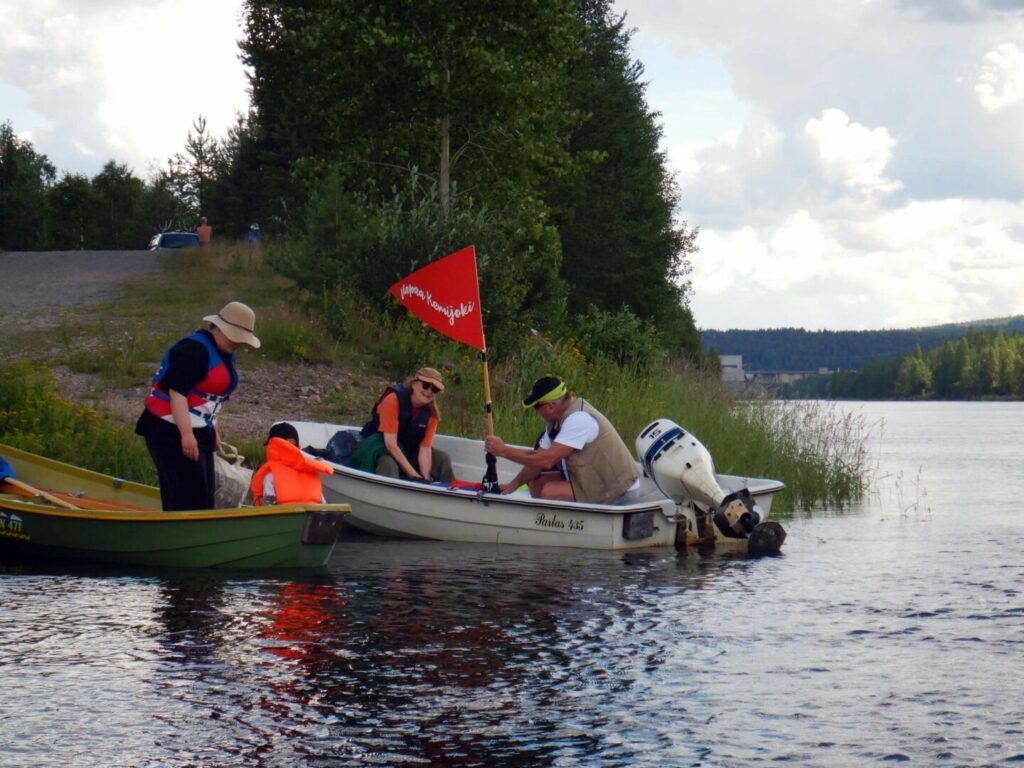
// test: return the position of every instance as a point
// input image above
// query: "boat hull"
(401, 508)
(139, 533)
(432, 512)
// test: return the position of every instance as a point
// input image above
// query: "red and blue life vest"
(207, 396)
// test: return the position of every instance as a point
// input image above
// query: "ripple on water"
(411, 654)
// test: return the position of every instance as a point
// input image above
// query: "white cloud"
(929, 262)
(857, 155)
(119, 79)
(1001, 82)
(877, 176)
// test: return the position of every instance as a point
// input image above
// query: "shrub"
(620, 336)
(36, 419)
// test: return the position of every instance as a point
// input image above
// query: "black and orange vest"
(410, 431)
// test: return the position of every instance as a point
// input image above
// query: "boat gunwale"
(159, 516)
(55, 465)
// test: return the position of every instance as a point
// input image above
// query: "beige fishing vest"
(604, 469)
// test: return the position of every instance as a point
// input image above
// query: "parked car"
(167, 240)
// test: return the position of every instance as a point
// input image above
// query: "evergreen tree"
(466, 94)
(1006, 384)
(236, 194)
(71, 210)
(620, 244)
(965, 381)
(465, 99)
(914, 378)
(25, 177)
(192, 173)
(118, 200)
(944, 370)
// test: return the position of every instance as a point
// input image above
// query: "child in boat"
(288, 476)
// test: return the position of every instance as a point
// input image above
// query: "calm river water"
(892, 632)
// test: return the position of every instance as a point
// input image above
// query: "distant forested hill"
(796, 349)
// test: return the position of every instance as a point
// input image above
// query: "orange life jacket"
(296, 476)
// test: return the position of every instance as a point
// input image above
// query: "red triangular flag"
(445, 295)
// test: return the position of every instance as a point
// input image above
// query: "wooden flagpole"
(488, 407)
(490, 481)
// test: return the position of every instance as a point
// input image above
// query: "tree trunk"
(444, 171)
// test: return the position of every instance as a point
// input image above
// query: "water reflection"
(449, 654)
(190, 612)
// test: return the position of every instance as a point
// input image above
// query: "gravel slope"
(39, 285)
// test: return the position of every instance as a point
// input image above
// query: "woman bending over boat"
(398, 439)
(179, 421)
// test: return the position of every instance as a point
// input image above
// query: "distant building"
(732, 368)
(738, 379)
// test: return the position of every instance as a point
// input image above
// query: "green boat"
(49, 509)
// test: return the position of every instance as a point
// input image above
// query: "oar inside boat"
(17, 487)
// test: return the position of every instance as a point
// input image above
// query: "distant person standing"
(205, 232)
(252, 237)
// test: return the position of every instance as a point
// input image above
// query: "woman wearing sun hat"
(195, 377)
(398, 439)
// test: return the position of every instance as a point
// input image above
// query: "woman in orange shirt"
(398, 439)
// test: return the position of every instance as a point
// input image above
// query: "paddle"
(24, 489)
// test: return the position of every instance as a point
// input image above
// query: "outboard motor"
(683, 470)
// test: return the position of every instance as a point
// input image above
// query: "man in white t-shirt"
(580, 456)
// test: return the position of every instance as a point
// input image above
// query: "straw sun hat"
(237, 321)
(431, 376)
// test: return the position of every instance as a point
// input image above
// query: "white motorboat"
(716, 508)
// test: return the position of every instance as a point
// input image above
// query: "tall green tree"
(621, 245)
(119, 202)
(192, 173)
(467, 94)
(914, 378)
(966, 375)
(25, 176)
(71, 210)
(466, 99)
(944, 370)
(237, 193)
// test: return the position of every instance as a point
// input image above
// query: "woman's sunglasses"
(428, 386)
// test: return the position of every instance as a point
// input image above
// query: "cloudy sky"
(851, 164)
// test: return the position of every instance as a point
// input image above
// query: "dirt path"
(39, 286)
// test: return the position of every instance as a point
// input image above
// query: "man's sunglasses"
(428, 386)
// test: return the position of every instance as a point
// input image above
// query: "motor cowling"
(684, 471)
